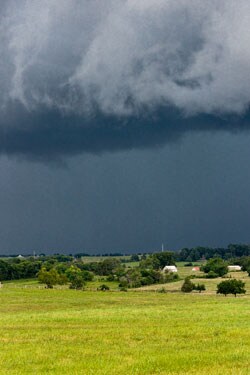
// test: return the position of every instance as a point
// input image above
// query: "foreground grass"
(72, 332)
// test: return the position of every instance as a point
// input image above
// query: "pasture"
(63, 331)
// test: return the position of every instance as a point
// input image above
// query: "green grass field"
(63, 331)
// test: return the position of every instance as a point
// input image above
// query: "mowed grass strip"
(74, 332)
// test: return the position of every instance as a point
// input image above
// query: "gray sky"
(123, 124)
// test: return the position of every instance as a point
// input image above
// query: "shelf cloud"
(92, 76)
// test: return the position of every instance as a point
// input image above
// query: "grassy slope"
(210, 284)
(90, 259)
(74, 332)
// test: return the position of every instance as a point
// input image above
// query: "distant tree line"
(186, 254)
(13, 269)
(197, 253)
(60, 268)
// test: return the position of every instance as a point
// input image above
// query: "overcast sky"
(124, 124)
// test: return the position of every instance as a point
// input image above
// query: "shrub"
(103, 287)
(187, 286)
(123, 282)
(111, 277)
(248, 271)
(199, 287)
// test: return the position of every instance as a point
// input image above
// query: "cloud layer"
(77, 75)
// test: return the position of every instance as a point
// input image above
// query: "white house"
(234, 268)
(170, 269)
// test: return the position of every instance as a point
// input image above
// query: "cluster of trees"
(215, 267)
(136, 277)
(158, 260)
(61, 269)
(59, 276)
(146, 273)
(149, 270)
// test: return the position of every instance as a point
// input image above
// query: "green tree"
(77, 282)
(134, 278)
(107, 266)
(134, 258)
(76, 278)
(232, 286)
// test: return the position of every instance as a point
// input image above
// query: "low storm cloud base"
(90, 76)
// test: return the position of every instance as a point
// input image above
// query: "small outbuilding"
(170, 269)
(234, 268)
(196, 269)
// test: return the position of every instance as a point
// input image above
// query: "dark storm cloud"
(91, 76)
(49, 135)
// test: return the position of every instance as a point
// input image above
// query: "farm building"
(234, 268)
(196, 269)
(170, 269)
